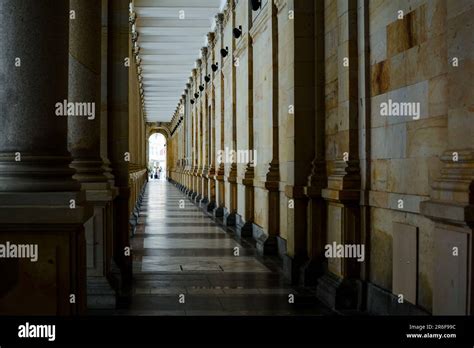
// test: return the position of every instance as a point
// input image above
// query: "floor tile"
(181, 251)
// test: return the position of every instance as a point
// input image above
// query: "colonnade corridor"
(184, 263)
(218, 160)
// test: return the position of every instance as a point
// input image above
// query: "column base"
(197, 198)
(339, 293)
(133, 221)
(219, 213)
(211, 206)
(310, 271)
(115, 277)
(123, 288)
(265, 244)
(100, 294)
(292, 266)
(382, 302)
(301, 270)
(203, 201)
(44, 220)
(230, 219)
(244, 230)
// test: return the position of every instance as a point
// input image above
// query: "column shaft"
(40, 203)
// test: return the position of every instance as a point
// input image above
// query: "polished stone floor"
(178, 250)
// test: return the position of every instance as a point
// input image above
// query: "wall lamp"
(201, 88)
(207, 78)
(215, 67)
(192, 101)
(196, 95)
(237, 32)
(225, 52)
(256, 4)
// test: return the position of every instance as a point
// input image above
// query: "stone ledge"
(445, 211)
(382, 302)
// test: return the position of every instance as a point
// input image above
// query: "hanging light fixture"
(135, 35)
(136, 48)
(132, 17)
(256, 4)
(237, 32)
(225, 52)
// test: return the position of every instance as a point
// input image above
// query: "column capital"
(211, 37)
(204, 52)
(280, 4)
(219, 22)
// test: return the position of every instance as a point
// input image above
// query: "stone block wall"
(309, 94)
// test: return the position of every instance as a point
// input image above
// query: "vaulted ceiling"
(169, 46)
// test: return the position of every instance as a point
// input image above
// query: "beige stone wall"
(244, 106)
(262, 110)
(285, 118)
(228, 75)
(409, 63)
(328, 114)
(136, 117)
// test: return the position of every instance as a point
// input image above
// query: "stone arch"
(158, 129)
(153, 129)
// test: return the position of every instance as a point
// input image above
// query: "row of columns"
(58, 189)
(316, 187)
(212, 116)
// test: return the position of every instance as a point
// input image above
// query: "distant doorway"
(157, 157)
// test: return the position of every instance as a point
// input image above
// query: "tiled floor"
(181, 251)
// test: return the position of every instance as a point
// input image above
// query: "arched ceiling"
(169, 47)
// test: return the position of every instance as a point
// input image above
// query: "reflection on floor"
(181, 251)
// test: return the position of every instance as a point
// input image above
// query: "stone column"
(451, 204)
(118, 135)
(265, 28)
(194, 148)
(231, 218)
(343, 189)
(301, 97)
(244, 52)
(40, 203)
(205, 131)
(198, 131)
(84, 144)
(317, 180)
(220, 210)
(212, 131)
(188, 139)
(182, 142)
